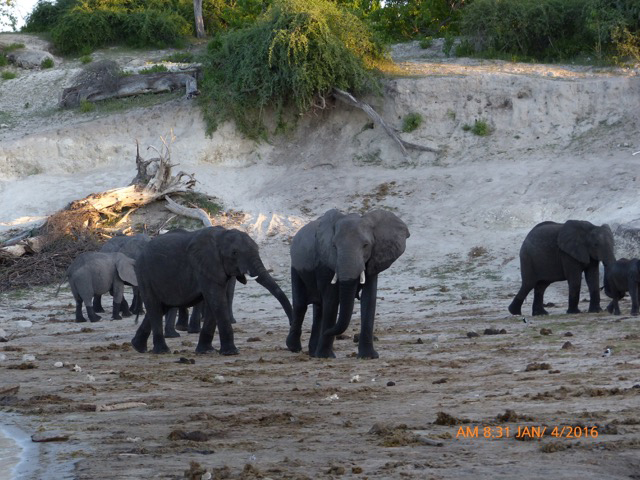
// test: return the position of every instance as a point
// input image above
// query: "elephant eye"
(234, 253)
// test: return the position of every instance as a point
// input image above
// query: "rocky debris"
(472, 334)
(567, 346)
(568, 334)
(494, 331)
(51, 436)
(545, 331)
(532, 367)
(194, 436)
(29, 58)
(449, 420)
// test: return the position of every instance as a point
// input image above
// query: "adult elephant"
(183, 269)
(131, 246)
(331, 259)
(553, 252)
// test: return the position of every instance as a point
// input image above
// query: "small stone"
(391, 384)
(419, 341)
(52, 436)
(188, 361)
(58, 364)
(77, 368)
(254, 339)
(356, 470)
(336, 470)
(545, 331)
(24, 324)
(472, 334)
(567, 346)
(27, 357)
(568, 334)
(355, 379)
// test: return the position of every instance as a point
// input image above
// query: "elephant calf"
(96, 273)
(621, 277)
(552, 252)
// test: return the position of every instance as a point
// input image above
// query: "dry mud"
(561, 148)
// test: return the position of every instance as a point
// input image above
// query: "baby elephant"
(622, 276)
(96, 273)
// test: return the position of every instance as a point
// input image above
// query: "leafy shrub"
(86, 59)
(411, 122)
(3, 60)
(154, 69)
(46, 63)
(8, 75)
(12, 47)
(479, 127)
(45, 15)
(86, 106)
(180, 57)
(426, 42)
(291, 57)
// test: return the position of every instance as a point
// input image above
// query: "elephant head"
(238, 255)
(357, 248)
(585, 242)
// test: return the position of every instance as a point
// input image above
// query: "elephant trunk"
(347, 297)
(267, 281)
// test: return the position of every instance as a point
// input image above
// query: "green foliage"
(548, 29)
(12, 47)
(406, 19)
(154, 69)
(411, 122)
(180, 57)
(426, 42)
(46, 63)
(8, 75)
(479, 127)
(293, 55)
(3, 60)
(46, 14)
(86, 59)
(86, 106)
(627, 44)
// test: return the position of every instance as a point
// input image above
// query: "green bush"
(12, 47)
(8, 75)
(180, 57)
(86, 59)
(46, 14)
(292, 56)
(154, 69)
(86, 106)
(46, 63)
(426, 42)
(3, 60)
(411, 122)
(479, 127)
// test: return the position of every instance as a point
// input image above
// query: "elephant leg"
(367, 314)
(136, 303)
(117, 290)
(97, 304)
(152, 323)
(194, 321)
(574, 279)
(183, 319)
(538, 299)
(316, 326)
(79, 317)
(205, 341)
(299, 300)
(592, 276)
(330, 303)
(220, 309)
(170, 323)
(124, 308)
(516, 305)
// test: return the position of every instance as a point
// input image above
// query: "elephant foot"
(98, 309)
(193, 330)
(95, 318)
(139, 344)
(127, 314)
(595, 309)
(205, 344)
(515, 308)
(231, 350)
(368, 353)
(116, 317)
(171, 334)
(574, 310)
(293, 343)
(233, 320)
(159, 345)
(610, 308)
(325, 354)
(181, 327)
(80, 320)
(539, 311)
(205, 350)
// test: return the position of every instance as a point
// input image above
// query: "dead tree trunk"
(197, 12)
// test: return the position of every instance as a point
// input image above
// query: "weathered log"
(194, 212)
(349, 99)
(129, 85)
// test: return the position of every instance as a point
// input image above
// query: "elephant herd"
(335, 260)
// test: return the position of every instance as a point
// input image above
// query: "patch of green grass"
(12, 47)
(3, 60)
(426, 42)
(47, 63)
(86, 59)
(180, 57)
(479, 127)
(86, 106)
(154, 69)
(8, 75)
(411, 122)
(205, 202)
(137, 101)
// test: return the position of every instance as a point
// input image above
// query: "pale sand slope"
(561, 148)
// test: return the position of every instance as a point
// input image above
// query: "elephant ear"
(573, 239)
(324, 237)
(126, 272)
(390, 234)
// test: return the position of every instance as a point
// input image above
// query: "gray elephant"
(620, 277)
(331, 259)
(183, 269)
(131, 246)
(553, 252)
(96, 273)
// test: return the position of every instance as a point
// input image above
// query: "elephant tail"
(64, 280)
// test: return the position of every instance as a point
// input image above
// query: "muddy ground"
(560, 147)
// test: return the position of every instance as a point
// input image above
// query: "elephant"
(184, 269)
(553, 252)
(332, 258)
(131, 246)
(96, 273)
(620, 277)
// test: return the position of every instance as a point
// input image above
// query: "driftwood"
(129, 85)
(349, 99)
(194, 212)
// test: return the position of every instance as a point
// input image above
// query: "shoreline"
(18, 463)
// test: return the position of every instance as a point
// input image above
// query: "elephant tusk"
(362, 280)
(334, 279)
(252, 278)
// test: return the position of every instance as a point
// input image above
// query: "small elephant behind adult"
(96, 273)
(131, 246)
(553, 252)
(621, 277)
